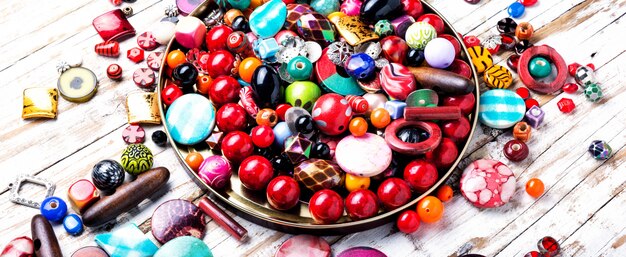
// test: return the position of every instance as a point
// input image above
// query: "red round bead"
(456, 130)
(523, 92)
(455, 43)
(470, 41)
(413, 8)
(231, 117)
(444, 155)
(590, 65)
(530, 102)
(394, 48)
(326, 206)
(281, 109)
(223, 90)
(262, 136)
(361, 204)
(236, 146)
(408, 221)
(548, 246)
(255, 172)
(114, 71)
(462, 68)
(533, 254)
(465, 102)
(220, 62)
(570, 88)
(217, 37)
(170, 93)
(434, 20)
(516, 150)
(283, 193)
(528, 2)
(421, 175)
(572, 68)
(393, 193)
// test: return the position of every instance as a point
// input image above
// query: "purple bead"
(361, 251)
(402, 19)
(439, 53)
(534, 116)
(215, 171)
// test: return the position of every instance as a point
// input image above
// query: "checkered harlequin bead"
(593, 92)
(294, 12)
(315, 27)
(600, 150)
(318, 174)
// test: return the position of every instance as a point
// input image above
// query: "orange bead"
(358, 126)
(335, 16)
(267, 117)
(203, 83)
(535, 187)
(380, 118)
(445, 193)
(256, 3)
(247, 67)
(194, 160)
(230, 16)
(175, 58)
(430, 209)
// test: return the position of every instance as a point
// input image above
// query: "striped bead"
(357, 103)
(498, 77)
(481, 58)
(108, 48)
(501, 108)
(114, 71)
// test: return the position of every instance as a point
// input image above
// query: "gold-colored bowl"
(253, 205)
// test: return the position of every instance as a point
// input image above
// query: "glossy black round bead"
(281, 163)
(159, 138)
(107, 175)
(186, 74)
(415, 57)
(240, 24)
(320, 151)
(265, 152)
(304, 124)
(412, 135)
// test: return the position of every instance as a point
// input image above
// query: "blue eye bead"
(53, 209)
(73, 224)
(516, 10)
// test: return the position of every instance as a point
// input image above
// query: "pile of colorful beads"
(360, 110)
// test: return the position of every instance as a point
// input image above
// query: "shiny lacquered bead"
(524, 31)
(530, 102)
(114, 72)
(72, 224)
(283, 193)
(570, 88)
(593, 92)
(516, 10)
(471, 41)
(535, 187)
(533, 254)
(360, 66)
(507, 25)
(584, 76)
(566, 105)
(159, 138)
(361, 204)
(108, 48)
(600, 150)
(548, 246)
(516, 150)
(82, 194)
(528, 2)
(53, 209)
(539, 67)
(393, 193)
(523, 92)
(255, 172)
(408, 221)
(135, 54)
(522, 131)
(326, 206)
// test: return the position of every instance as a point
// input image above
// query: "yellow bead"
(481, 58)
(498, 77)
(40, 102)
(354, 183)
(335, 15)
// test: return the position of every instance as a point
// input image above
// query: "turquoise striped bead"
(501, 108)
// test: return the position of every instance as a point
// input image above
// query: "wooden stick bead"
(432, 113)
(418, 148)
(554, 57)
(44, 239)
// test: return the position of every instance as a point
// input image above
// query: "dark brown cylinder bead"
(442, 81)
(432, 113)
(221, 218)
(126, 197)
(44, 240)
(90, 251)
(515, 150)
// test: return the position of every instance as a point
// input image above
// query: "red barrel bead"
(357, 103)
(114, 71)
(108, 48)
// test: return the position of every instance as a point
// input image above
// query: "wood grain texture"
(583, 206)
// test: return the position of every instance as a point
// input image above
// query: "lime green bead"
(539, 67)
(302, 94)
(300, 68)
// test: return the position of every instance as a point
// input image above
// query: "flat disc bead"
(487, 183)
(190, 119)
(304, 245)
(364, 156)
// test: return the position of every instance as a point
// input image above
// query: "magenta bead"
(439, 53)
(215, 171)
(351, 7)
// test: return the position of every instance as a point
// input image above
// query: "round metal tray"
(253, 205)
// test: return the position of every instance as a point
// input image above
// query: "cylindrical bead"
(221, 218)
(432, 113)
(44, 239)
(357, 103)
(108, 48)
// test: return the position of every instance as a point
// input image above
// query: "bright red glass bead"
(465, 102)
(217, 37)
(470, 41)
(408, 221)
(590, 65)
(572, 68)
(231, 117)
(566, 105)
(326, 206)
(170, 93)
(530, 102)
(456, 130)
(255, 172)
(223, 90)
(283, 193)
(533, 254)
(413, 8)
(135, 54)
(281, 109)
(434, 20)
(421, 175)
(237, 146)
(262, 136)
(462, 68)
(444, 155)
(528, 2)
(394, 48)
(523, 92)
(393, 193)
(220, 62)
(548, 246)
(361, 204)
(570, 88)
(455, 43)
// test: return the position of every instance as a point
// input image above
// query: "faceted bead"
(316, 27)
(516, 9)
(566, 105)
(159, 138)
(600, 150)
(135, 54)
(72, 224)
(522, 131)
(498, 77)
(539, 67)
(507, 25)
(383, 28)
(82, 194)
(215, 140)
(534, 116)
(317, 174)
(127, 240)
(593, 92)
(516, 150)
(570, 88)
(297, 148)
(548, 246)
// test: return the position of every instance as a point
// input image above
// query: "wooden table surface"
(583, 206)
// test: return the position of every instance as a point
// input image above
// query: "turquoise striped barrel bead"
(501, 108)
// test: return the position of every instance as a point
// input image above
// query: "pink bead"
(19, 247)
(190, 32)
(487, 183)
(215, 170)
(351, 7)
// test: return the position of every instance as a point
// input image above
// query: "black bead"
(321, 151)
(107, 175)
(507, 25)
(281, 163)
(159, 137)
(304, 124)
(240, 24)
(409, 135)
(186, 74)
(265, 152)
(522, 45)
(414, 57)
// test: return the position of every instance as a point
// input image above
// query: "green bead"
(302, 94)
(539, 67)
(593, 92)
(300, 68)
(185, 246)
(383, 28)
(136, 159)
(422, 98)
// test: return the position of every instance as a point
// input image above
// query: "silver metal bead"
(171, 10)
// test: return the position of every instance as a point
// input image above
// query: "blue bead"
(266, 48)
(53, 209)
(267, 19)
(395, 108)
(360, 66)
(281, 132)
(126, 241)
(516, 9)
(190, 119)
(73, 224)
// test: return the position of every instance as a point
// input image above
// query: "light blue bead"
(325, 7)
(267, 48)
(239, 4)
(73, 224)
(395, 108)
(267, 19)
(281, 132)
(126, 241)
(516, 9)
(501, 108)
(190, 119)
(243, 83)
(184, 246)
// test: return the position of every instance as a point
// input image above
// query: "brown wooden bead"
(126, 197)
(442, 81)
(44, 239)
(524, 31)
(521, 131)
(515, 150)
(554, 57)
